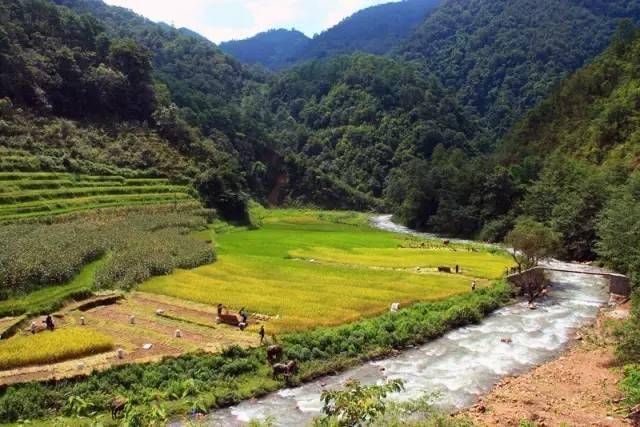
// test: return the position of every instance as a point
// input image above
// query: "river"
(462, 365)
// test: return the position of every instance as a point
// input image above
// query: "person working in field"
(261, 334)
(49, 323)
(243, 315)
(474, 285)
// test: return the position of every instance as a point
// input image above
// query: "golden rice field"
(311, 268)
(477, 264)
(50, 347)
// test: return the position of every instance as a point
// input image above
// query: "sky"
(222, 20)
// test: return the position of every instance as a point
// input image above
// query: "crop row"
(30, 196)
(66, 206)
(37, 255)
(52, 184)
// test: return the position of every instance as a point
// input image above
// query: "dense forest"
(566, 164)
(83, 87)
(378, 29)
(358, 116)
(503, 56)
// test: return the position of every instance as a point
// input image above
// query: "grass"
(312, 268)
(51, 298)
(51, 347)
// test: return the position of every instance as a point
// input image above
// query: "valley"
(201, 233)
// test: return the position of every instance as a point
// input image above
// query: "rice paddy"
(307, 269)
(299, 270)
(49, 347)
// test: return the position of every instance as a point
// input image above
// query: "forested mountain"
(571, 164)
(53, 60)
(377, 29)
(358, 116)
(579, 152)
(340, 131)
(504, 56)
(95, 93)
(272, 49)
(206, 84)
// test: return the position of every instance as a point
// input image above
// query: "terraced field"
(25, 195)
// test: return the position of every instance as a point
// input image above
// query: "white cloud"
(221, 20)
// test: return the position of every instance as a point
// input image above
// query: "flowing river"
(462, 365)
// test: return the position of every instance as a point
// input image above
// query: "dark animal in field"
(444, 269)
(274, 353)
(117, 407)
(446, 242)
(286, 369)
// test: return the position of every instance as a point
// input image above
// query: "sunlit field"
(310, 268)
(49, 347)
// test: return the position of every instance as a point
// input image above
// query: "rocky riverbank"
(578, 389)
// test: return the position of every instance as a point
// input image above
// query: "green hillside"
(504, 56)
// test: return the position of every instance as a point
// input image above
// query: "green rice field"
(311, 268)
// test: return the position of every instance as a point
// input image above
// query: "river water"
(462, 365)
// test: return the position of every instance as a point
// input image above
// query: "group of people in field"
(47, 324)
(244, 320)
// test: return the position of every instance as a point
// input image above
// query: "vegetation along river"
(460, 366)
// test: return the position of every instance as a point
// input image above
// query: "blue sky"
(222, 20)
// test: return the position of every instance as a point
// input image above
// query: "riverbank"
(579, 388)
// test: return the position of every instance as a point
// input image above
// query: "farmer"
(457, 269)
(474, 285)
(261, 334)
(49, 322)
(220, 307)
(243, 314)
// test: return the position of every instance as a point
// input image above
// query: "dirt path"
(578, 389)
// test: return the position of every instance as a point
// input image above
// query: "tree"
(618, 230)
(530, 241)
(356, 405)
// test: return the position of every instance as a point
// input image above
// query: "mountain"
(504, 56)
(358, 116)
(377, 29)
(105, 91)
(271, 49)
(579, 152)
(204, 82)
(570, 163)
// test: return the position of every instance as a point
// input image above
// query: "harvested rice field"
(150, 337)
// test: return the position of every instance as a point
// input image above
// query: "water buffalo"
(286, 369)
(274, 353)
